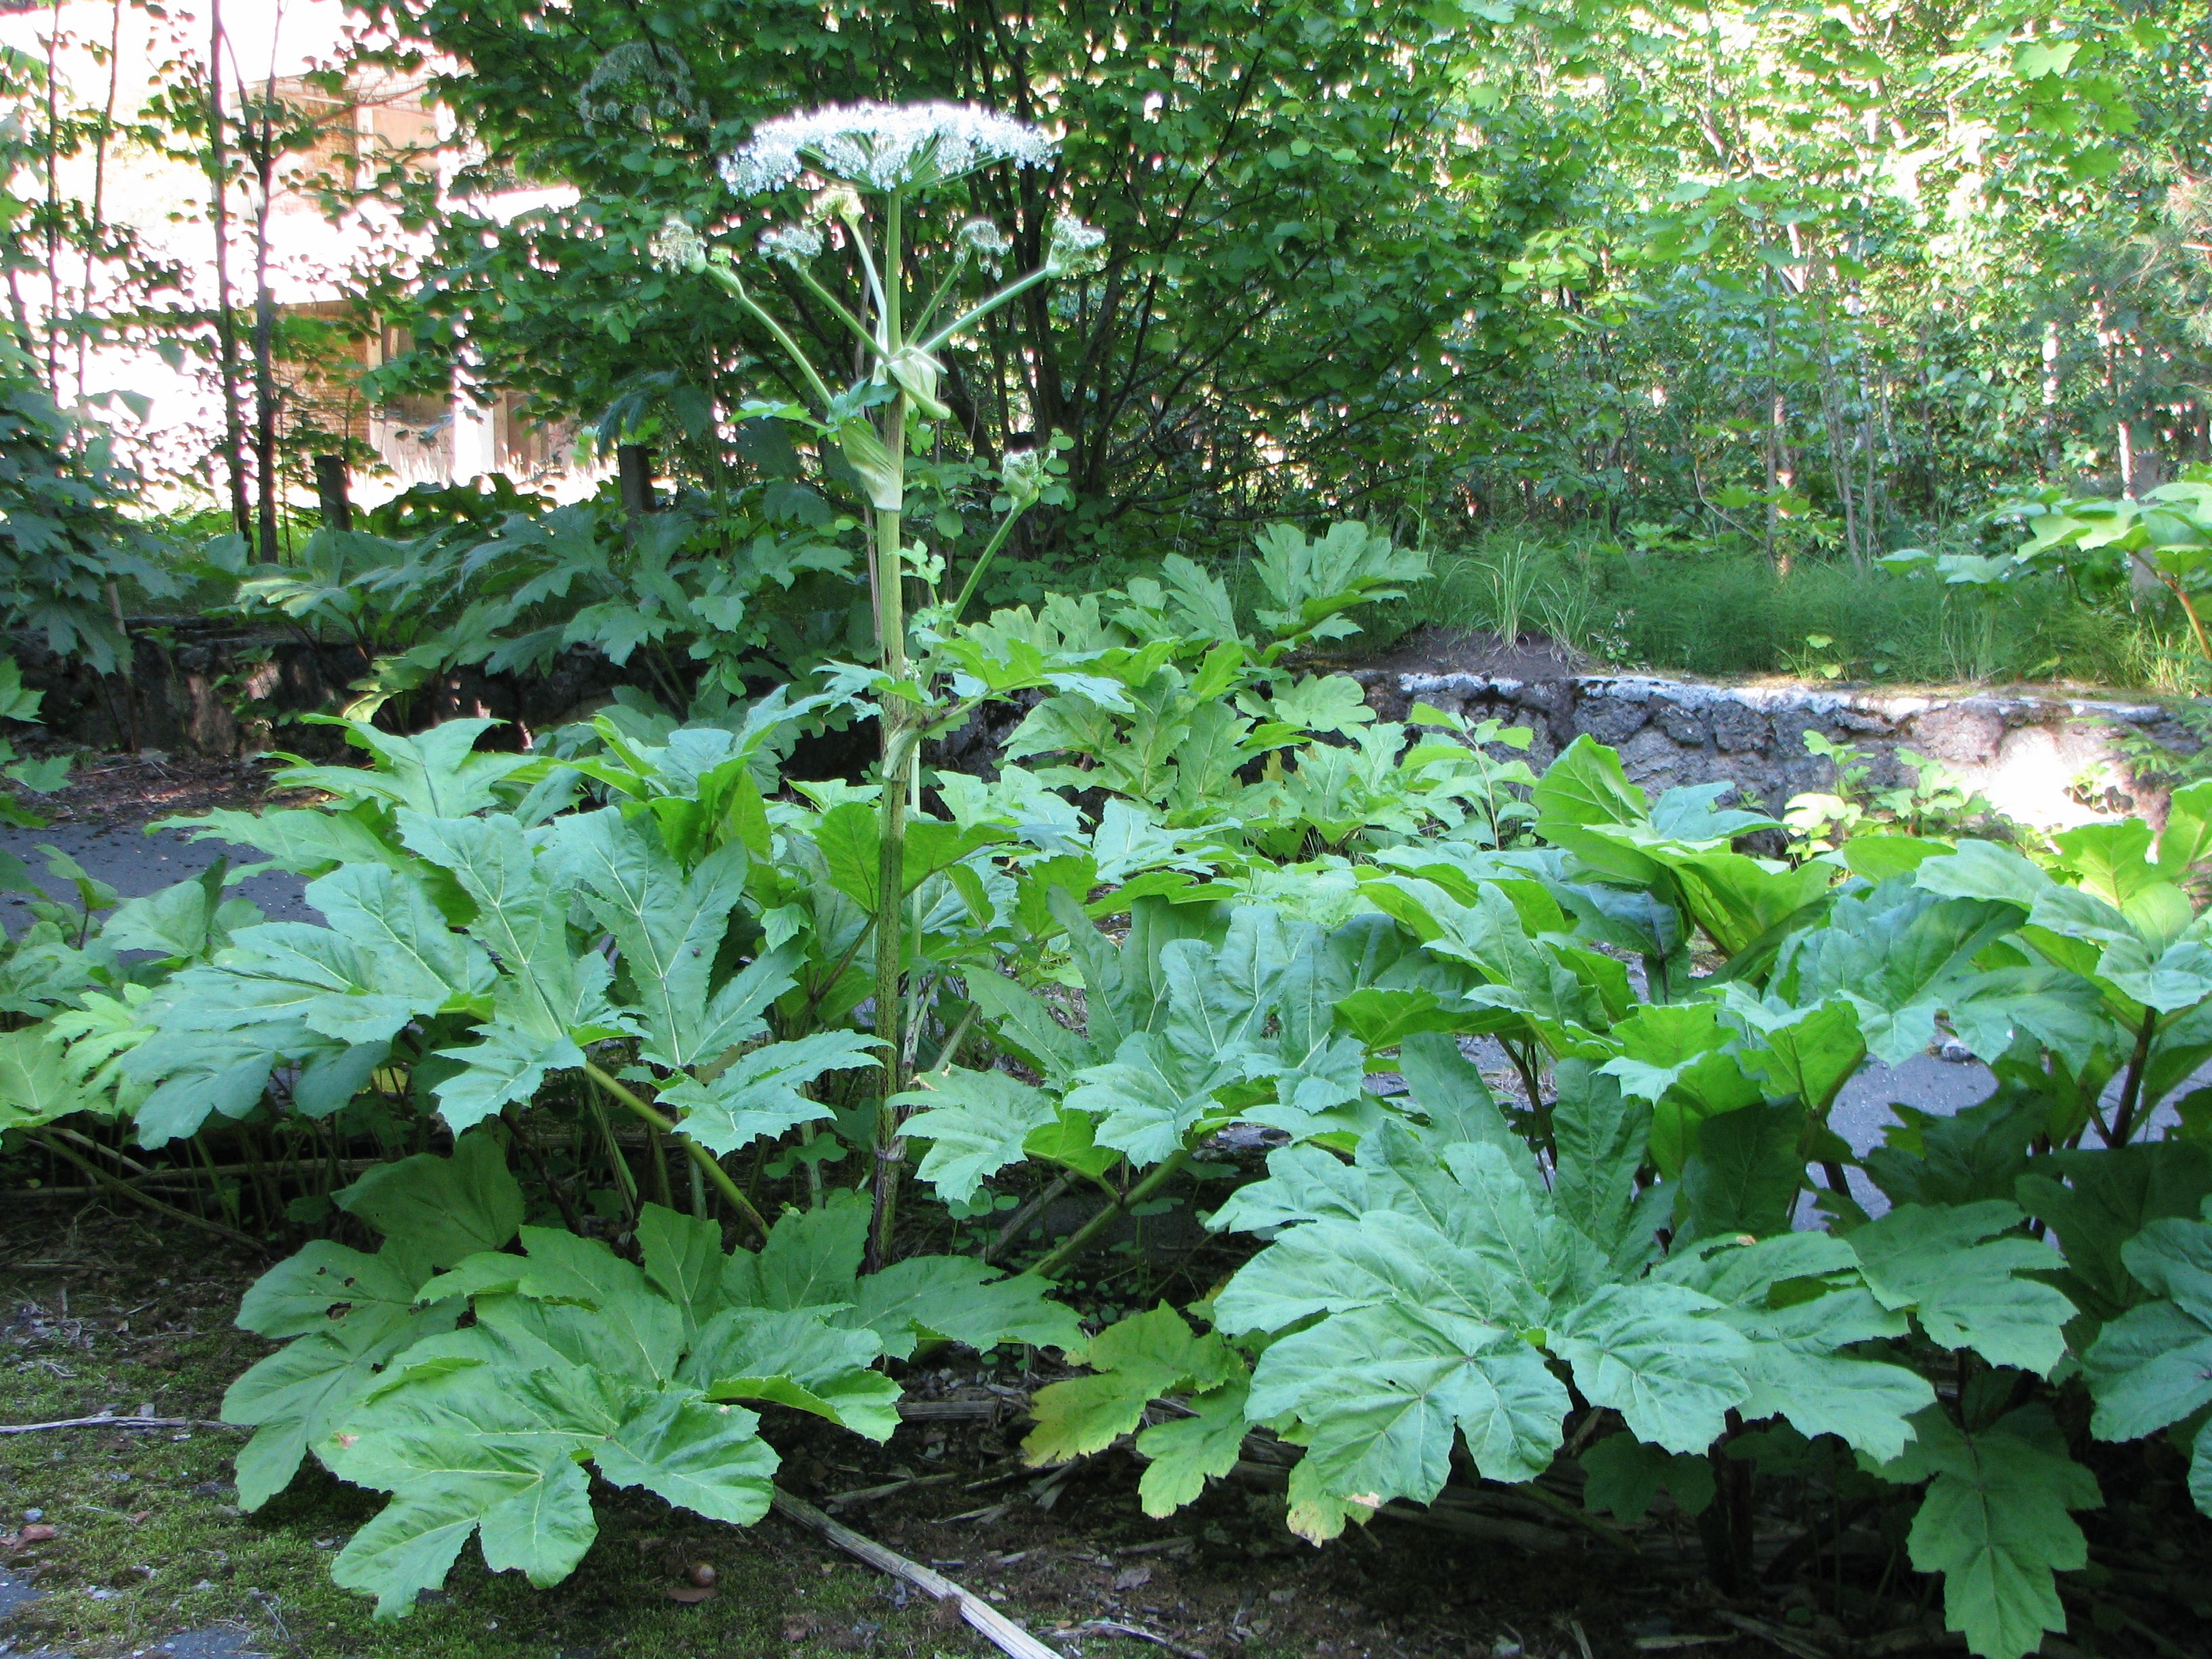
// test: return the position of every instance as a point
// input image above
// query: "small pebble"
(35, 1514)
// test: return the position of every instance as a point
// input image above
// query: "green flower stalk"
(870, 163)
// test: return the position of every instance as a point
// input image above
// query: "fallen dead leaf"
(37, 1534)
(1131, 1577)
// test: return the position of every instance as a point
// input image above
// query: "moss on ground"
(108, 1313)
(149, 1541)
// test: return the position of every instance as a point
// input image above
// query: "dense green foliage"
(644, 1031)
(1754, 272)
(1828, 273)
(1619, 1239)
(692, 601)
(64, 541)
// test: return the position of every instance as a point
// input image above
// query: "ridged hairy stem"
(898, 758)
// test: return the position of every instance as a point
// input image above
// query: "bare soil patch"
(153, 784)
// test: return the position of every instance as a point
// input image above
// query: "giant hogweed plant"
(498, 956)
(1158, 674)
(873, 166)
(473, 1382)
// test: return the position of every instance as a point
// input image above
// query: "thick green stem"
(617, 1164)
(891, 875)
(892, 718)
(701, 1158)
(2187, 609)
(2123, 1114)
(944, 287)
(984, 560)
(969, 318)
(838, 307)
(732, 284)
(1077, 1241)
(123, 1188)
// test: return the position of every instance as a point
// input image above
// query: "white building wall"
(166, 203)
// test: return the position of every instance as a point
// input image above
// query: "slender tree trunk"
(95, 231)
(1777, 427)
(2050, 457)
(1832, 412)
(53, 238)
(226, 322)
(265, 327)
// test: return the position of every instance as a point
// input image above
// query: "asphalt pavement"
(136, 861)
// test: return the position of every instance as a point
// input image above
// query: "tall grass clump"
(1711, 609)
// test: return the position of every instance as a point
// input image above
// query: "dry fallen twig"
(980, 1616)
(861, 1495)
(1797, 1646)
(1138, 1632)
(120, 1423)
(993, 1409)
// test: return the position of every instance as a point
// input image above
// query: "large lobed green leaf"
(2152, 1367)
(1995, 1523)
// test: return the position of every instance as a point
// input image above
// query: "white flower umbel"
(792, 245)
(886, 146)
(677, 246)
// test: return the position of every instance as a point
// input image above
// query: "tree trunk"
(226, 326)
(264, 330)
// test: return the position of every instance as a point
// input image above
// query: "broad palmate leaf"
(1430, 1292)
(2152, 1366)
(1995, 1523)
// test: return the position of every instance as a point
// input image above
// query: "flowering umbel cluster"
(986, 242)
(793, 245)
(677, 245)
(883, 147)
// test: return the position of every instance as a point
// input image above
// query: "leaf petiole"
(703, 1160)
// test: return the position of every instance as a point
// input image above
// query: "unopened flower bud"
(1073, 247)
(916, 372)
(1022, 474)
(792, 244)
